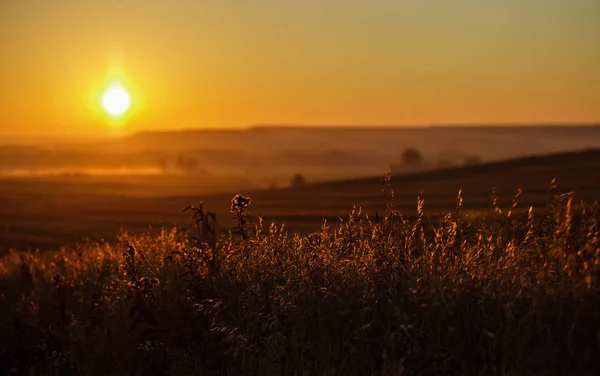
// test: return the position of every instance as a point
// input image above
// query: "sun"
(116, 100)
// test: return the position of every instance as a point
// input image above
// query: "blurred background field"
(50, 210)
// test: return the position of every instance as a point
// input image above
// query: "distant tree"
(163, 164)
(472, 160)
(412, 157)
(298, 181)
(187, 164)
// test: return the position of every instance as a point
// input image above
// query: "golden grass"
(509, 293)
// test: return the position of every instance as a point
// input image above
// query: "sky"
(228, 64)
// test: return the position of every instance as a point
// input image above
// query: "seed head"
(239, 203)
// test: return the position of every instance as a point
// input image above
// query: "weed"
(513, 292)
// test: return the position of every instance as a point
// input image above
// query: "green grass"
(510, 292)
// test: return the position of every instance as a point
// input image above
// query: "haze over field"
(270, 156)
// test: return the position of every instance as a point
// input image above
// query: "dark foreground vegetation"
(509, 293)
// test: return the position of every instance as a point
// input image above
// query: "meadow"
(507, 293)
(451, 286)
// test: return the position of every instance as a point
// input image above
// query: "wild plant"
(239, 207)
(512, 292)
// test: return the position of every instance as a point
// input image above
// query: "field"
(502, 293)
(456, 280)
(299, 188)
(50, 212)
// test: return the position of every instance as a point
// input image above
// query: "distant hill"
(577, 171)
(489, 142)
(271, 155)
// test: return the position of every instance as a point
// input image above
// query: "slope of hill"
(577, 171)
(490, 142)
(48, 214)
(270, 156)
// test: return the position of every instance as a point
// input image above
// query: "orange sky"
(236, 63)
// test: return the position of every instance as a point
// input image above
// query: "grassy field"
(48, 213)
(502, 293)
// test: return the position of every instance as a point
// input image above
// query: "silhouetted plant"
(205, 223)
(239, 206)
(509, 292)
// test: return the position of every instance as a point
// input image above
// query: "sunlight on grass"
(516, 291)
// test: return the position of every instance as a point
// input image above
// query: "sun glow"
(116, 100)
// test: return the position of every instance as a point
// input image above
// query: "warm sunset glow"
(116, 101)
(194, 64)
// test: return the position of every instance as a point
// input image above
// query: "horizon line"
(371, 127)
(258, 126)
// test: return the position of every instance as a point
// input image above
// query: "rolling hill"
(38, 213)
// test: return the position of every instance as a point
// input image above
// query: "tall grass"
(510, 293)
